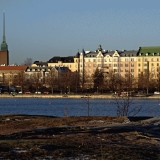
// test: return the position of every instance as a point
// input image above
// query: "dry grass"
(61, 142)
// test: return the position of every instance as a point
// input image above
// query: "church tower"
(4, 53)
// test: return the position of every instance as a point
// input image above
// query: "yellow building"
(148, 60)
(72, 62)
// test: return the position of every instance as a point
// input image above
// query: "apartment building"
(119, 62)
(8, 73)
(72, 62)
(148, 60)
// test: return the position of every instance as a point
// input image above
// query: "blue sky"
(41, 29)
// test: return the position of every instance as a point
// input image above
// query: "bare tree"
(27, 62)
(65, 80)
(125, 106)
(52, 79)
(37, 80)
(74, 81)
(115, 82)
(19, 80)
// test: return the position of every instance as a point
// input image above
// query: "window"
(139, 70)
(115, 65)
(152, 64)
(115, 60)
(132, 64)
(94, 60)
(94, 65)
(126, 59)
(132, 59)
(145, 70)
(157, 59)
(132, 70)
(157, 64)
(115, 70)
(145, 59)
(152, 59)
(139, 64)
(126, 65)
(139, 60)
(145, 64)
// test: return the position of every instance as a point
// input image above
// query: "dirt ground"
(111, 138)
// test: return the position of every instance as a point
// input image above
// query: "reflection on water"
(72, 107)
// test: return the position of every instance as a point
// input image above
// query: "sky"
(42, 29)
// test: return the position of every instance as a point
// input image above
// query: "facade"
(8, 73)
(4, 53)
(37, 72)
(121, 63)
(148, 61)
(72, 62)
(127, 64)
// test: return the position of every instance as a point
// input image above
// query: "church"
(4, 53)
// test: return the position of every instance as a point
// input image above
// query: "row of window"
(115, 70)
(152, 59)
(145, 64)
(152, 70)
(107, 65)
(118, 59)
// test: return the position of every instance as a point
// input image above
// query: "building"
(127, 65)
(148, 61)
(72, 62)
(4, 53)
(121, 63)
(9, 73)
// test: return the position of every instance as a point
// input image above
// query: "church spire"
(4, 38)
(4, 46)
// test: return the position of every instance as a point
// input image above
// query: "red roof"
(12, 68)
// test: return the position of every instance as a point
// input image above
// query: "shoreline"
(92, 96)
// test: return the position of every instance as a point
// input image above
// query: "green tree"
(98, 79)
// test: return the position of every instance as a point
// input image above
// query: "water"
(73, 107)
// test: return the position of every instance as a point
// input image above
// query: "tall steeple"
(4, 46)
